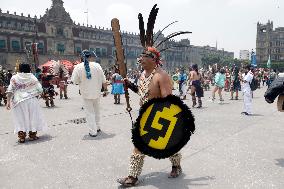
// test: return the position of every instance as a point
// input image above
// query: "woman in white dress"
(22, 96)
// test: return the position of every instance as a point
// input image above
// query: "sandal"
(176, 171)
(128, 181)
(32, 136)
(22, 140)
(22, 137)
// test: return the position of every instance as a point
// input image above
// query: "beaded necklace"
(143, 89)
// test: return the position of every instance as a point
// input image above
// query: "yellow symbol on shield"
(167, 114)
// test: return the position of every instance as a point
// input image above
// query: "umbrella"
(69, 65)
(47, 64)
(54, 64)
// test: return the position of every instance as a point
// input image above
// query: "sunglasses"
(147, 55)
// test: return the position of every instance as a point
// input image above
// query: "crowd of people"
(193, 82)
(223, 79)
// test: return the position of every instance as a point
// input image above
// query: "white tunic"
(89, 88)
(247, 93)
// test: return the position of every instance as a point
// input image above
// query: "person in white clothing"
(247, 93)
(90, 77)
(22, 96)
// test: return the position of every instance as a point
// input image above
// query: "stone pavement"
(228, 150)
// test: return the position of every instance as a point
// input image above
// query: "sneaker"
(128, 181)
(92, 133)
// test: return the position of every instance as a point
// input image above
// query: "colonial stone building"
(269, 42)
(58, 37)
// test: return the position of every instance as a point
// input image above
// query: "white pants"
(92, 109)
(183, 89)
(248, 102)
(27, 116)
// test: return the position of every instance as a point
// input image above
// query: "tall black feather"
(171, 36)
(142, 30)
(150, 25)
(163, 30)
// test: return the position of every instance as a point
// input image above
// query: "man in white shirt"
(90, 77)
(247, 93)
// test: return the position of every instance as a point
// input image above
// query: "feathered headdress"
(147, 39)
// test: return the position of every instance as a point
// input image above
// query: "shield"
(175, 77)
(163, 127)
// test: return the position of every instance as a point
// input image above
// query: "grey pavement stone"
(228, 150)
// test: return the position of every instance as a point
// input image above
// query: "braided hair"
(85, 54)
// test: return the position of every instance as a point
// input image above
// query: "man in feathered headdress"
(154, 82)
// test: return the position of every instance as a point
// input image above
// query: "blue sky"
(230, 22)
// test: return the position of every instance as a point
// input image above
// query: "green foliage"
(211, 59)
(274, 65)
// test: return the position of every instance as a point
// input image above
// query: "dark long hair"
(195, 68)
(25, 68)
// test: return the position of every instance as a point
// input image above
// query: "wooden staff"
(120, 56)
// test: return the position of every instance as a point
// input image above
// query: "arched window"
(60, 48)
(2, 43)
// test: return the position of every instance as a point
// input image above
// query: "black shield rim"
(188, 130)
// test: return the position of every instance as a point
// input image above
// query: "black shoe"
(245, 113)
(92, 135)
(99, 130)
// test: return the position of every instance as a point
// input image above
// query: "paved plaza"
(228, 150)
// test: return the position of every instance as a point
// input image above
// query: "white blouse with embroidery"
(23, 86)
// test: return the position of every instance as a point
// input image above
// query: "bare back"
(194, 76)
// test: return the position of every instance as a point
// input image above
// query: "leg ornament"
(136, 165)
(176, 168)
(175, 159)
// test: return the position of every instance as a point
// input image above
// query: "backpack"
(253, 84)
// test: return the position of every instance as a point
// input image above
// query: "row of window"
(16, 45)
(17, 26)
(89, 35)
(94, 36)
(276, 50)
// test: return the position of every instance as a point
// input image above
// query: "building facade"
(244, 55)
(59, 37)
(269, 41)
